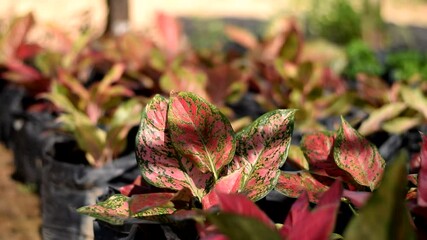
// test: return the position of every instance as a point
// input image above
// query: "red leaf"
(422, 175)
(358, 199)
(227, 184)
(321, 221)
(170, 33)
(299, 211)
(200, 132)
(293, 184)
(355, 155)
(28, 73)
(138, 186)
(262, 149)
(160, 165)
(240, 204)
(17, 34)
(27, 51)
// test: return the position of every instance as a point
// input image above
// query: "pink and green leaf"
(317, 148)
(141, 202)
(262, 148)
(200, 132)
(293, 184)
(160, 164)
(358, 157)
(114, 210)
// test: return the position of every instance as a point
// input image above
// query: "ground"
(19, 206)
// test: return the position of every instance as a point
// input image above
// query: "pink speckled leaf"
(292, 184)
(318, 149)
(357, 156)
(160, 164)
(200, 132)
(422, 175)
(262, 149)
(227, 184)
(114, 210)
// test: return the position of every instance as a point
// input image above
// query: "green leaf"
(385, 215)
(401, 124)
(238, 227)
(124, 118)
(91, 140)
(355, 155)
(415, 99)
(378, 116)
(296, 158)
(262, 148)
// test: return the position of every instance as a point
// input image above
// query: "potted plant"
(342, 169)
(93, 130)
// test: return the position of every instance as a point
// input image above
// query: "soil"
(19, 206)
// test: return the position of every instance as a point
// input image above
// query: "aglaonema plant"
(383, 216)
(240, 218)
(188, 148)
(344, 154)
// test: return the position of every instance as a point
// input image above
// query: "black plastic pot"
(69, 183)
(29, 138)
(10, 104)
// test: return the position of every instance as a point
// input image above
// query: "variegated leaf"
(293, 184)
(200, 132)
(262, 149)
(160, 165)
(114, 210)
(318, 149)
(357, 156)
(141, 202)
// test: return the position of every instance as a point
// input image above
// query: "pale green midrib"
(211, 163)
